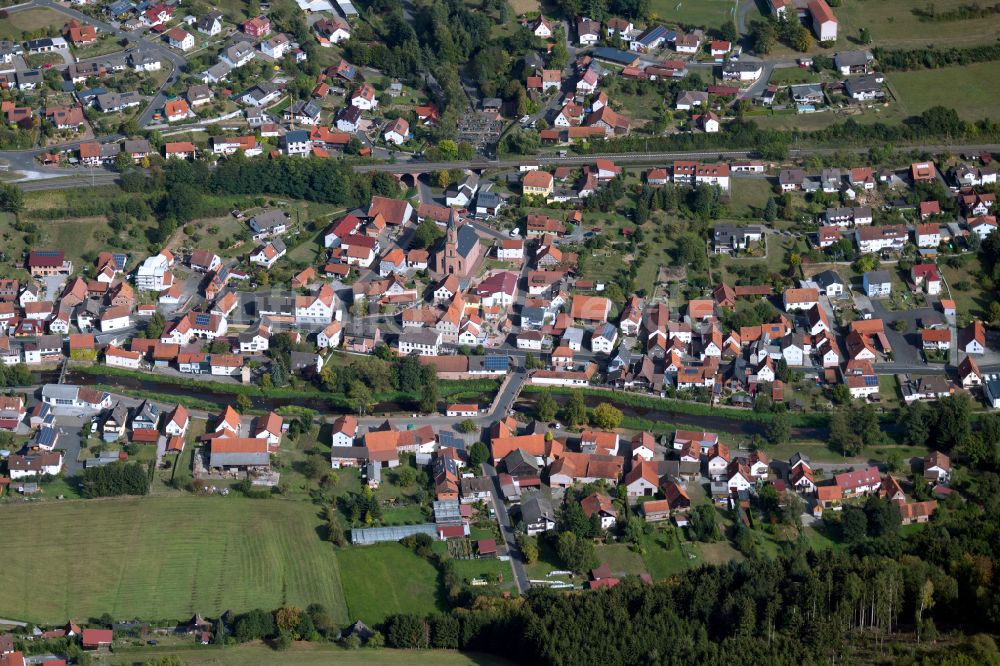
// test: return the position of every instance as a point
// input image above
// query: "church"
(461, 249)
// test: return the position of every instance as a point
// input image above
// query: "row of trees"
(935, 123)
(901, 60)
(114, 480)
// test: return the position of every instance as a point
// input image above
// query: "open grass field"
(970, 89)
(384, 579)
(705, 13)
(792, 75)
(304, 654)
(748, 196)
(893, 24)
(167, 558)
(30, 20)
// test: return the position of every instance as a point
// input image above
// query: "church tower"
(452, 263)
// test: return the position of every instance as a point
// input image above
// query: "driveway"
(507, 531)
(69, 441)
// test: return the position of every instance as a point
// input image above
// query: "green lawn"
(970, 89)
(387, 578)
(704, 13)
(969, 303)
(29, 21)
(893, 24)
(303, 654)
(792, 75)
(749, 196)
(165, 557)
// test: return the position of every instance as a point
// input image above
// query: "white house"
(177, 422)
(122, 358)
(330, 337)
(153, 273)
(317, 308)
(116, 318)
(43, 464)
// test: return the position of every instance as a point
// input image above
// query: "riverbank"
(643, 405)
(211, 395)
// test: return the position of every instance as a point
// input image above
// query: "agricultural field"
(896, 24)
(695, 13)
(384, 579)
(303, 654)
(969, 89)
(30, 21)
(167, 558)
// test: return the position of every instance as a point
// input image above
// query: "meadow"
(302, 654)
(970, 89)
(893, 24)
(165, 558)
(387, 578)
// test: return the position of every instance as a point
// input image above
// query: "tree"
(952, 420)
(803, 40)
(529, 549)
(546, 407)
(154, 327)
(429, 397)
(405, 630)
(287, 618)
(771, 210)
(704, 523)
(764, 36)
(866, 263)
(914, 423)
(478, 454)
(853, 524)
(360, 397)
(426, 234)
(575, 410)
(779, 429)
(840, 394)
(467, 426)
(243, 403)
(728, 32)
(606, 416)
(577, 554)
(865, 36)
(11, 198)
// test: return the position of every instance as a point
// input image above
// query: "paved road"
(416, 166)
(507, 531)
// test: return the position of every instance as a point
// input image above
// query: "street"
(507, 531)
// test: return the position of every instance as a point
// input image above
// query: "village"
(482, 303)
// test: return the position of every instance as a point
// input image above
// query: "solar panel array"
(496, 362)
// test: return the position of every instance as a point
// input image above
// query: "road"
(415, 167)
(507, 531)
